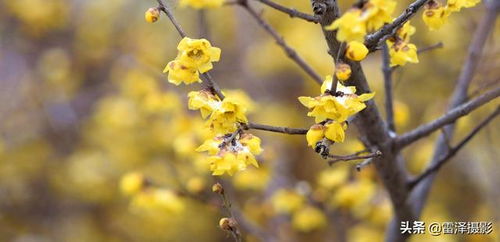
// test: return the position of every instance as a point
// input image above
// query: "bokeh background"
(83, 101)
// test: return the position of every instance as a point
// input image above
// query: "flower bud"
(228, 224)
(217, 188)
(152, 15)
(356, 51)
(343, 71)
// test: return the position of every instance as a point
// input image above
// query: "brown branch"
(373, 41)
(291, 53)
(284, 130)
(369, 122)
(430, 47)
(169, 14)
(453, 151)
(355, 156)
(293, 13)
(421, 191)
(450, 117)
(387, 71)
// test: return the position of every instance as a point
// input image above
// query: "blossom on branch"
(195, 56)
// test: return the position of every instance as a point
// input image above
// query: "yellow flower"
(198, 53)
(223, 116)
(434, 15)
(356, 51)
(251, 142)
(350, 26)
(377, 12)
(343, 71)
(286, 201)
(456, 5)
(178, 72)
(230, 156)
(132, 183)
(337, 108)
(195, 184)
(252, 179)
(157, 200)
(198, 4)
(226, 115)
(405, 32)
(315, 134)
(152, 15)
(402, 52)
(230, 163)
(354, 194)
(203, 100)
(333, 177)
(308, 219)
(335, 131)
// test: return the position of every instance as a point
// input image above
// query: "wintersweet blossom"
(338, 108)
(194, 56)
(231, 154)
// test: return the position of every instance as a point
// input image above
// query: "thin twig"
(291, 53)
(364, 164)
(450, 117)
(437, 165)
(373, 40)
(430, 47)
(293, 13)
(355, 156)
(387, 71)
(169, 14)
(284, 130)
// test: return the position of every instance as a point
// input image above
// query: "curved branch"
(450, 117)
(284, 130)
(291, 53)
(373, 40)
(453, 151)
(290, 11)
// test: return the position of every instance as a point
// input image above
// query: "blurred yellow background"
(83, 102)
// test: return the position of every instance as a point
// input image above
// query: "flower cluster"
(400, 48)
(435, 15)
(195, 56)
(231, 153)
(357, 21)
(332, 111)
(199, 4)
(223, 116)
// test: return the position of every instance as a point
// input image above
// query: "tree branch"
(437, 165)
(355, 156)
(387, 71)
(420, 192)
(373, 40)
(284, 130)
(450, 117)
(293, 13)
(291, 53)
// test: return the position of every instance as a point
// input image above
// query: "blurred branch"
(291, 53)
(453, 150)
(450, 117)
(387, 71)
(373, 41)
(275, 129)
(486, 26)
(355, 156)
(430, 47)
(290, 11)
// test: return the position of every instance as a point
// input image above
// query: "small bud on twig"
(217, 188)
(152, 15)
